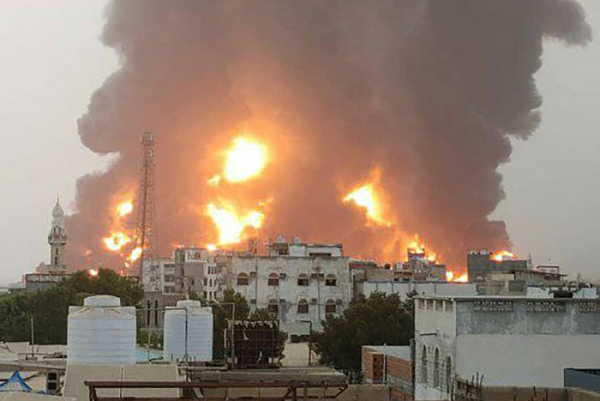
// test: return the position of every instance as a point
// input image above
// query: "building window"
(439, 305)
(330, 280)
(449, 306)
(242, 279)
(424, 365)
(436, 368)
(273, 307)
(448, 374)
(148, 311)
(273, 279)
(330, 306)
(303, 280)
(303, 306)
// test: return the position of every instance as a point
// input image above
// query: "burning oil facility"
(372, 123)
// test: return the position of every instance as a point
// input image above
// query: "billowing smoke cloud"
(429, 92)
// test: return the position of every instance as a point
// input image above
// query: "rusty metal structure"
(254, 344)
(294, 390)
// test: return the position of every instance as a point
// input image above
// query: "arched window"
(330, 280)
(303, 306)
(242, 279)
(273, 279)
(330, 306)
(424, 365)
(436, 368)
(303, 280)
(449, 374)
(273, 306)
(148, 312)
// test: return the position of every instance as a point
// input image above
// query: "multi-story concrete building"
(420, 267)
(200, 271)
(481, 263)
(160, 276)
(509, 341)
(300, 283)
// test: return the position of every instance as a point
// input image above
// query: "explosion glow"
(125, 208)
(135, 254)
(93, 272)
(502, 255)
(365, 197)
(232, 223)
(245, 159)
(322, 118)
(116, 241)
(463, 278)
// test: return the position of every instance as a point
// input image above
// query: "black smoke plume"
(429, 92)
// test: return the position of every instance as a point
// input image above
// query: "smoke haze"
(428, 93)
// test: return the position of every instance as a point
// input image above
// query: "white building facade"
(509, 341)
(300, 290)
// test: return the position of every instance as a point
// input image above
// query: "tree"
(377, 320)
(222, 313)
(49, 308)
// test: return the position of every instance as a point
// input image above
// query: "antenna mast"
(146, 233)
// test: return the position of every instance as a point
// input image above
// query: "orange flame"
(232, 223)
(463, 278)
(93, 273)
(502, 255)
(125, 208)
(367, 198)
(135, 254)
(116, 241)
(246, 159)
(120, 238)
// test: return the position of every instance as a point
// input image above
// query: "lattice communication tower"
(146, 230)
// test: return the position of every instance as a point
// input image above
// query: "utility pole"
(32, 340)
(146, 230)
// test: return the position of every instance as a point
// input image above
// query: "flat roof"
(501, 297)
(398, 351)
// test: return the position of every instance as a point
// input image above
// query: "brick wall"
(399, 373)
(372, 366)
(400, 377)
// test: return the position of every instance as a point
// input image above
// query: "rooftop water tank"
(101, 332)
(199, 332)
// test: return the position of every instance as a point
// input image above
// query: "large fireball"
(232, 223)
(245, 159)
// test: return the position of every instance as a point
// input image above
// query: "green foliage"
(377, 320)
(155, 340)
(49, 308)
(222, 313)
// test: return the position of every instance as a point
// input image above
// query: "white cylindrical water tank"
(199, 332)
(101, 332)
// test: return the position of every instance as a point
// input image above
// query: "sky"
(53, 60)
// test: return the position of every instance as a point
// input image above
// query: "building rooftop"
(398, 351)
(501, 297)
